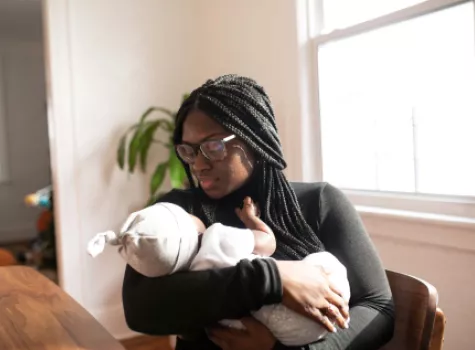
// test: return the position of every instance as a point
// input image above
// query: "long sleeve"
(186, 302)
(371, 306)
(189, 301)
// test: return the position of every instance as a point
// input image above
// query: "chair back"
(415, 302)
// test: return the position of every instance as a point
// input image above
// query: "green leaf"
(146, 114)
(158, 177)
(134, 148)
(168, 125)
(146, 141)
(121, 152)
(177, 171)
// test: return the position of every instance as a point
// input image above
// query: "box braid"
(241, 106)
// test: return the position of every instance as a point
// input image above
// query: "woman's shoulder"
(316, 195)
(309, 191)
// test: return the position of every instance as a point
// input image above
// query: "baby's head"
(160, 219)
(155, 241)
(174, 217)
(161, 239)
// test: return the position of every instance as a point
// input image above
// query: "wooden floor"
(149, 343)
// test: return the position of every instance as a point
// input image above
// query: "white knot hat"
(155, 241)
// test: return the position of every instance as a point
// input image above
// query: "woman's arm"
(189, 301)
(371, 306)
(186, 302)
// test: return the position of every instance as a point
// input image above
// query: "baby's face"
(200, 227)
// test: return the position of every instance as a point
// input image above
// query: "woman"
(227, 139)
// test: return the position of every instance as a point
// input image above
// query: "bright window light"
(343, 13)
(397, 105)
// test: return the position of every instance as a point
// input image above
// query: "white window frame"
(4, 169)
(449, 207)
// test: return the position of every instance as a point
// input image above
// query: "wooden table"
(37, 314)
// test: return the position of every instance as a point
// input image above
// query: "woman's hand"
(308, 292)
(255, 337)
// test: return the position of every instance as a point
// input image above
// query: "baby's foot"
(249, 215)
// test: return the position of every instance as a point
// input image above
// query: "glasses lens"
(214, 150)
(186, 152)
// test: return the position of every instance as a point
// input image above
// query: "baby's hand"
(249, 215)
(264, 240)
(249, 210)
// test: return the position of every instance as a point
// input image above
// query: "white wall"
(106, 65)
(27, 149)
(257, 39)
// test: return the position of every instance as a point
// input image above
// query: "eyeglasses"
(213, 150)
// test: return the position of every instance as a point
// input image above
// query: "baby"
(164, 239)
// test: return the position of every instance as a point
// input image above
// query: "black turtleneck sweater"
(187, 302)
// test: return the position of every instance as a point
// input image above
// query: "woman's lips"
(206, 183)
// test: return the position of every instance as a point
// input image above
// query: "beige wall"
(440, 252)
(257, 39)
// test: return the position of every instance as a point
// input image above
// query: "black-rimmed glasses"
(213, 150)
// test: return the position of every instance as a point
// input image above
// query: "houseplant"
(135, 145)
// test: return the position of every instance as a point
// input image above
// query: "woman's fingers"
(339, 303)
(319, 317)
(333, 314)
(308, 291)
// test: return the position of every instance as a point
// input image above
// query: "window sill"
(416, 217)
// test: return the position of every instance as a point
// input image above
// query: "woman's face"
(217, 178)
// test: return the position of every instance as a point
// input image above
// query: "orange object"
(30, 200)
(7, 258)
(44, 221)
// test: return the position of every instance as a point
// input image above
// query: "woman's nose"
(201, 162)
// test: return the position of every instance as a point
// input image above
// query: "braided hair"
(241, 106)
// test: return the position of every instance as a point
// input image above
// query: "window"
(3, 132)
(396, 87)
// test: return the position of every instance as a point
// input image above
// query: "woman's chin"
(214, 193)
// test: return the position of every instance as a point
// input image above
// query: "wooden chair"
(420, 324)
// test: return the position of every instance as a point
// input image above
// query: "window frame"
(441, 205)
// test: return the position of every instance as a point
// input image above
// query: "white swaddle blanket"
(224, 246)
(156, 241)
(163, 239)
